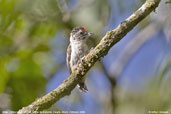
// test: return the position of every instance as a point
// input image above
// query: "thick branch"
(111, 38)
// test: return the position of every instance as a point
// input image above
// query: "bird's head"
(80, 34)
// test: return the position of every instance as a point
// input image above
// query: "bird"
(76, 50)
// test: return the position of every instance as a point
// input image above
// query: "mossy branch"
(111, 38)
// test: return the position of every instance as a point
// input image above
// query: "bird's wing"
(68, 58)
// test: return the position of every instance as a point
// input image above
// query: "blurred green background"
(134, 78)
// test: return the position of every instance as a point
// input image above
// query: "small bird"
(77, 49)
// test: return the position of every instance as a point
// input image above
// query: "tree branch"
(111, 38)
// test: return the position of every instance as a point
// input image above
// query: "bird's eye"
(81, 32)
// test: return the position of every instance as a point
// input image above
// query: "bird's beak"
(90, 34)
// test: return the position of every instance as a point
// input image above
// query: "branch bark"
(111, 38)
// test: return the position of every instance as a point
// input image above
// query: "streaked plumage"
(76, 50)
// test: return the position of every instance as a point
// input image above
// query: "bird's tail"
(82, 87)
